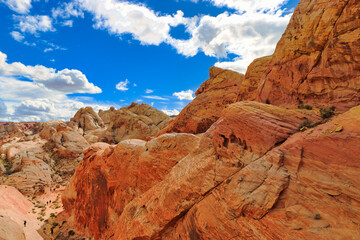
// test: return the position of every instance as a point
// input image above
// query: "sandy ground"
(32, 209)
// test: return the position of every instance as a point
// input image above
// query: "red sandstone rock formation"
(130, 169)
(317, 60)
(251, 175)
(215, 94)
(234, 185)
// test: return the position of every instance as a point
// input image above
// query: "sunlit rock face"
(317, 60)
(137, 121)
(31, 161)
(255, 171)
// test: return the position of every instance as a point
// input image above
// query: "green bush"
(306, 106)
(307, 124)
(327, 112)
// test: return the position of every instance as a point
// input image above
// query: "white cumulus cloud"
(148, 91)
(17, 36)
(120, 17)
(34, 24)
(173, 112)
(66, 81)
(19, 6)
(250, 32)
(122, 86)
(185, 95)
(155, 97)
(250, 5)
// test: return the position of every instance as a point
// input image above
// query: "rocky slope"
(215, 94)
(234, 185)
(317, 59)
(48, 157)
(258, 171)
(14, 210)
(137, 121)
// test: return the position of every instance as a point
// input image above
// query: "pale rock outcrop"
(36, 161)
(14, 210)
(86, 119)
(137, 121)
(11, 129)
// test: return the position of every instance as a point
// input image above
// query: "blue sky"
(58, 56)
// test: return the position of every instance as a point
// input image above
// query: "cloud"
(249, 36)
(34, 107)
(250, 5)
(3, 109)
(184, 95)
(17, 36)
(250, 32)
(29, 101)
(66, 81)
(121, 17)
(122, 86)
(68, 23)
(19, 6)
(155, 97)
(173, 112)
(148, 91)
(67, 10)
(34, 24)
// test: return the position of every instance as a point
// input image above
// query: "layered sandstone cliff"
(317, 60)
(258, 171)
(250, 177)
(215, 94)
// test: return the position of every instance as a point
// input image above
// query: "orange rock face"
(228, 149)
(120, 173)
(251, 174)
(215, 94)
(317, 60)
(220, 90)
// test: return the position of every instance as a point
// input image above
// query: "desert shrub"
(52, 215)
(55, 224)
(327, 112)
(307, 124)
(317, 216)
(267, 101)
(71, 233)
(306, 106)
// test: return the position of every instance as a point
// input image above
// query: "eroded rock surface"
(317, 60)
(120, 174)
(220, 90)
(223, 188)
(137, 121)
(34, 161)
